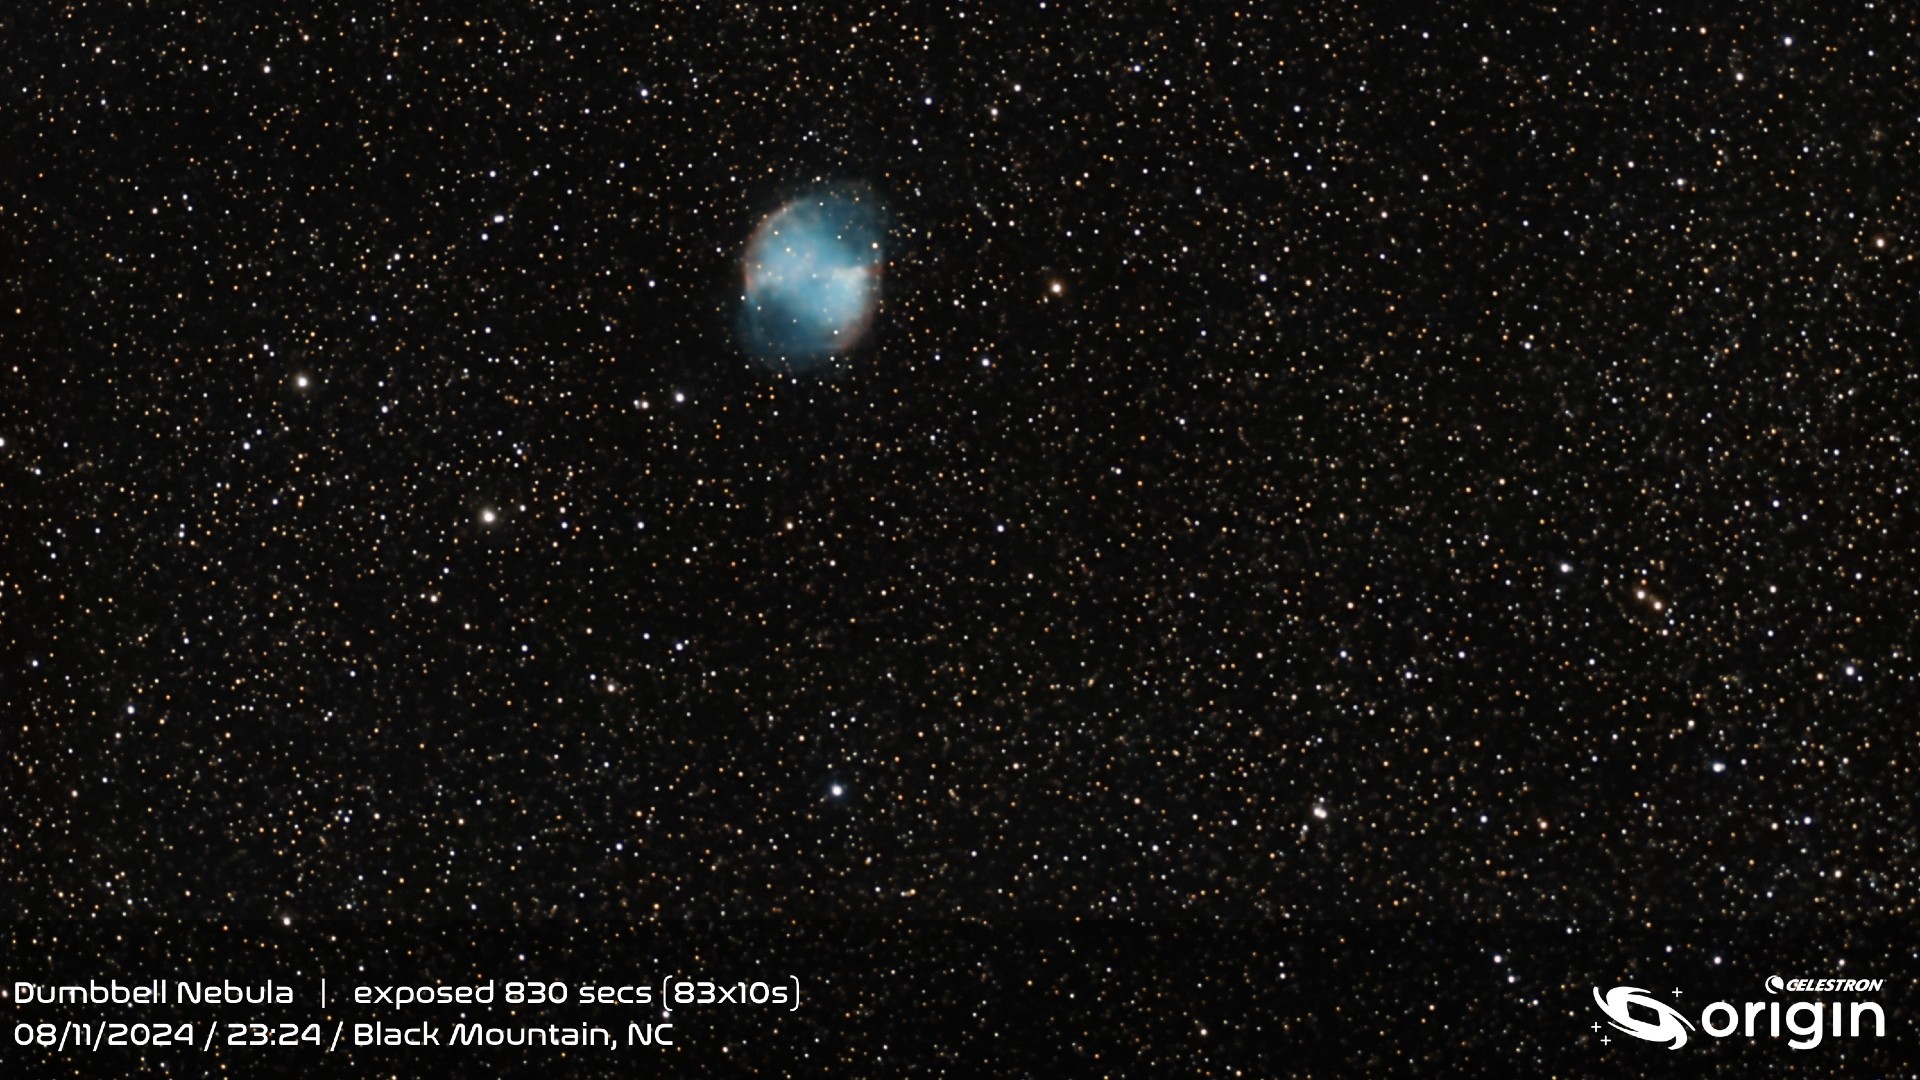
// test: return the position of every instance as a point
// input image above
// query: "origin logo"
(1669, 1026)
(1805, 1024)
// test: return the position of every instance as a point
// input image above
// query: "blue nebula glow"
(812, 276)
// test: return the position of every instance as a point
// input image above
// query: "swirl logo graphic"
(1670, 1027)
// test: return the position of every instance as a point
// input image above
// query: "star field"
(1302, 465)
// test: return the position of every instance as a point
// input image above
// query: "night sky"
(1306, 467)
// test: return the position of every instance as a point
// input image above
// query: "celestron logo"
(1635, 1012)
(1775, 984)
